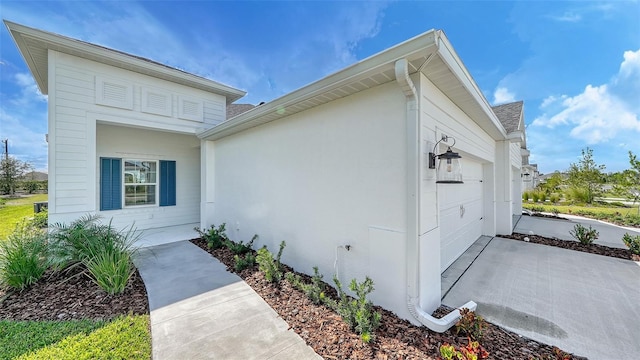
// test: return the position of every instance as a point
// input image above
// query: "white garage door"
(461, 213)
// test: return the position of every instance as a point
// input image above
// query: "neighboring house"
(339, 169)
(511, 116)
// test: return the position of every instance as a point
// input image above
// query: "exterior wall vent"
(156, 102)
(115, 93)
(189, 109)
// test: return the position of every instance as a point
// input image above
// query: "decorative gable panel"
(189, 109)
(156, 102)
(115, 93)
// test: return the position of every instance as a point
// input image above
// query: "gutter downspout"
(413, 187)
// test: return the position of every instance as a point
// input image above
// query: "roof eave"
(420, 46)
(109, 57)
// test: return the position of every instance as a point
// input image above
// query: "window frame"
(125, 184)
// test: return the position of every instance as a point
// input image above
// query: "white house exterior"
(338, 169)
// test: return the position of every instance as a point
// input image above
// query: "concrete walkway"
(610, 235)
(584, 303)
(201, 311)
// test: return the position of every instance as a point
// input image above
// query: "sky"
(576, 64)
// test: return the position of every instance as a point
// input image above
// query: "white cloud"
(29, 91)
(599, 113)
(502, 95)
(567, 17)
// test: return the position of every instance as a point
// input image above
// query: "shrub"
(584, 235)
(470, 324)
(314, 291)
(535, 196)
(239, 248)
(536, 209)
(632, 242)
(543, 196)
(215, 237)
(40, 220)
(23, 257)
(525, 196)
(106, 252)
(357, 313)
(554, 198)
(244, 262)
(271, 267)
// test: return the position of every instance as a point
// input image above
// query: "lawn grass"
(569, 209)
(126, 337)
(15, 210)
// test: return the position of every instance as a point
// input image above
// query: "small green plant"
(554, 198)
(536, 209)
(244, 262)
(40, 220)
(543, 196)
(632, 242)
(110, 268)
(270, 266)
(472, 351)
(470, 324)
(555, 211)
(586, 236)
(314, 291)
(526, 196)
(215, 237)
(536, 196)
(357, 313)
(23, 257)
(240, 248)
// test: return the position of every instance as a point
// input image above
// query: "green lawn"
(15, 210)
(123, 338)
(627, 216)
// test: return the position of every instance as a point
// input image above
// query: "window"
(137, 182)
(140, 182)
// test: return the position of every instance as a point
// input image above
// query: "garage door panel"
(461, 213)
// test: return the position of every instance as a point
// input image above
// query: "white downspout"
(413, 187)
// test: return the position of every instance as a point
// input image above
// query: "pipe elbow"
(438, 325)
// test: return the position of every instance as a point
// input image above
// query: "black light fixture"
(449, 167)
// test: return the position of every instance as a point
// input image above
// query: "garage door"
(460, 213)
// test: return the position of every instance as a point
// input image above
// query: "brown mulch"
(73, 295)
(331, 338)
(575, 245)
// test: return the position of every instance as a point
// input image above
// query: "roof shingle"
(509, 115)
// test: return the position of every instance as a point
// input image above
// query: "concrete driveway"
(583, 303)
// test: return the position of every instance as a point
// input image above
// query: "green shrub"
(632, 242)
(23, 257)
(470, 324)
(40, 220)
(536, 209)
(584, 235)
(272, 268)
(215, 237)
(554, 198)
(244, 262)
(106, 252)
(357, 313)
(240, 248)
(543, 196)
(536, 196)
(314, 291)
(526, 196)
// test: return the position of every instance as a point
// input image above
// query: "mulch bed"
(331, 338)
(574, 245)
(73, 295)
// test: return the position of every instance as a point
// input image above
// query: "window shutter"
(110, 184)
(167, 183)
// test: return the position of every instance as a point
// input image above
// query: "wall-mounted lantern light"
(526, 176)
(449, 167)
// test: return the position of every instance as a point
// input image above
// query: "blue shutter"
(167, 183)
(110, 184)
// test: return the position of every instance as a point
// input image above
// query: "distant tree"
(552, 183)
(586, 176)
(630, 184)
(11, 170)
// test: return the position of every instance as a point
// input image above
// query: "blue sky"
(575, 64)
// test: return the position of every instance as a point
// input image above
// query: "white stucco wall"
(332, 176)
(82, 93)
